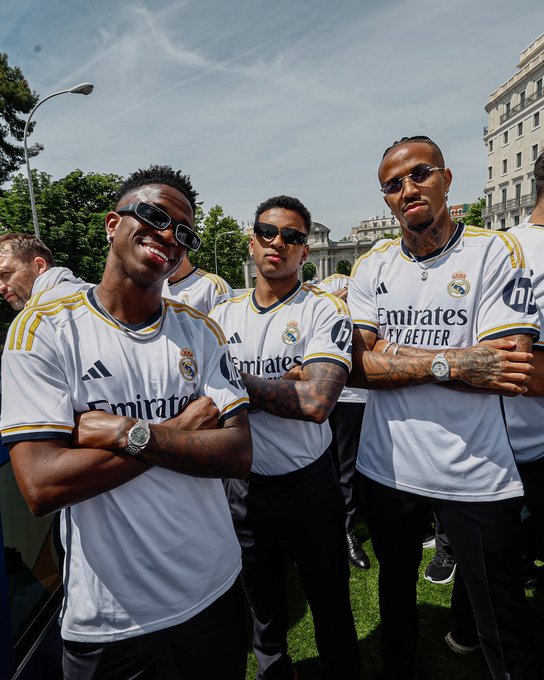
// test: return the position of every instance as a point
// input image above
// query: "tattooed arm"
(52, 476)
(310, 394)
(501, 366)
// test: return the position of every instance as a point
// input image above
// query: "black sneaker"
(429, 541)
(441, 569)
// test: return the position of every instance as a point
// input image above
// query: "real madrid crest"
(187, 365)
(459, 285)
(291, 335)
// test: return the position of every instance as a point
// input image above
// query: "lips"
(156, 252)
(413, 207)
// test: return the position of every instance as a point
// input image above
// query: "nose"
(278, 241)
(408, 186)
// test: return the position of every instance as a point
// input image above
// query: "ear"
(40, 264)
(251, 242)
(447, 179)
(304, 255)
(112, 220)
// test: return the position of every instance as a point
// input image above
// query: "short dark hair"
(159, 174)
(25, 247)
(417, 139)
(539, 177)
(288, 203)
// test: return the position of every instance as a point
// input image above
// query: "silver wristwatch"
(138, 437)
(440, 367)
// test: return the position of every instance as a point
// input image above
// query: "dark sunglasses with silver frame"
(419, 175)
(159, 219)
(291, 236)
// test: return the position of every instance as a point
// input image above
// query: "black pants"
(346, 420)
(532, 476)
(211, 645)
(485, 539)
(298, 516)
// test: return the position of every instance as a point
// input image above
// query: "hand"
(295, 373)
(342, 293)
(199, 414)
(101, 430)
(496, 365)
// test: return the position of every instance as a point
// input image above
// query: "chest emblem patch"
(291, 335)
(459, 286)
(187, 365)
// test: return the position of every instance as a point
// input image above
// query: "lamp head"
(82, 88)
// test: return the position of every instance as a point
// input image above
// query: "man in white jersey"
(292, 345)
(27, 269)
(444, 320)
(525, 417)
(152, 559)
(345, 421)
(196, 288)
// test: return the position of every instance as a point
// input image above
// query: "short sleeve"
(331, 333)
(361, 299)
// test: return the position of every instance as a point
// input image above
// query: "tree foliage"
(473, 216)
(15, 98)
(309, 271)
(343, 267)
(232, 249)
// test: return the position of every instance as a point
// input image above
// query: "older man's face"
(16, 279)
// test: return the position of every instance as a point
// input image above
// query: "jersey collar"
(282, 301)
(449, 246)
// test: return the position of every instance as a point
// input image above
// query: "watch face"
(440, 368)
(139, 436)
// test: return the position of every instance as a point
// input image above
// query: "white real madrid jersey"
(158, 549)
(306, 326)
(332, 284)
(199, 289)
(525, 415)
(429, 439)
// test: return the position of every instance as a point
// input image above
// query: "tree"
(473, 216)
(15, 98)
(343, 267)
(309, 271)
(71, 213)
(232, 249)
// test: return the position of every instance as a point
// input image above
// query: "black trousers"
(532, 476)
(346, 420)
(299, 516)
(211, 645)
(485, 540)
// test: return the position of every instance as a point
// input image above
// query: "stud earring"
(109, 238)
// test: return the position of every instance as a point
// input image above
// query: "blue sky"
(258, 97)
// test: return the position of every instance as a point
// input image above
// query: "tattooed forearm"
(311, 398)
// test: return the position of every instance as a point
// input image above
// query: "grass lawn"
(436, 661)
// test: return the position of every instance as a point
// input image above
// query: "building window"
(488, 225)
(536, 119)
(503, 196)
(518, 192)
(534, 152)
(518, 159)
(507, 109)
(489, 201)
(503, 223)
(520, 129)
(516, 220)
(490, 172)
(490, 146)
(522, 99)
(539, 87)
(533, 186)
(504, 166)
(505, 137)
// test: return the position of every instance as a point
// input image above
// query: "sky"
(255, 98)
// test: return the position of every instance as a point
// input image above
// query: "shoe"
(429, 541)
(357, 556)
(458, 648)
(441, 569)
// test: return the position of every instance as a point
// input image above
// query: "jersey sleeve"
(221, 380)
(361, 299)
(331, 332)
(507, 301)
(36, 402)
(334, 283)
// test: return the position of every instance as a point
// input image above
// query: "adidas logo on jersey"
(235, 339)
(98, 370)
(381, 289)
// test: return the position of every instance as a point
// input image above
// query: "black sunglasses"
(159, 219)
(419, 175)
(292, 237)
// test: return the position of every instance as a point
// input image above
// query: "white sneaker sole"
(444, 581)
(457, 648)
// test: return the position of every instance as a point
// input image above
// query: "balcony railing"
(522, 105)
(524, 201)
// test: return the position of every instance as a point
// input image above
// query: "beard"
(418, 228)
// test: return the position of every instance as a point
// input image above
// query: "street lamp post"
(223, 233)
(83, 88)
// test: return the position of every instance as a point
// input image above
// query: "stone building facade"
(514, 137)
